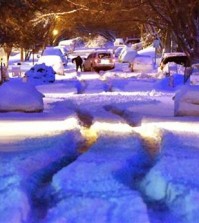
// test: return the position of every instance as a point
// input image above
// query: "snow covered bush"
(40, 73)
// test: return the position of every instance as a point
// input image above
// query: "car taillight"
(97, 60)
(113, 60)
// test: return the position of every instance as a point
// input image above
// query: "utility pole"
(156, 44)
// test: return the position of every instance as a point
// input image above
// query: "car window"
(104, 55)
(183, 60)
(90, 56)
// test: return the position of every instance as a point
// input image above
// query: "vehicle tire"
(84, 69)
(92, 68)
(97, 70)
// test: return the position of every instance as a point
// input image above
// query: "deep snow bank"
(173, 181)
(21, 171)
(18, 96)
(187, 101)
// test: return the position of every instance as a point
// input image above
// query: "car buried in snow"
(177, 58)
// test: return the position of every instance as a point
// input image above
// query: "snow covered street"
(107, 148)
(102, 180)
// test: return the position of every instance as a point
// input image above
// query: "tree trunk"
(8, 50)
(22, 54)
(167, 43)
(195, 54)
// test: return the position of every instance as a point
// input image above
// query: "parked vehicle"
(101, 60)
(118, 51)
(179, 58)
(142, 63)
(54, 61)
(127, 55)
(63, 49)
(55, 51)
(131, 41)
(118, 42)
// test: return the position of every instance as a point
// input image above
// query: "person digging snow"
(78, 62)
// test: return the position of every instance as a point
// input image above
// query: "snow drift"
(19, 96)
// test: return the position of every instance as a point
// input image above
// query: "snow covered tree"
(26, 23)
(177, 20)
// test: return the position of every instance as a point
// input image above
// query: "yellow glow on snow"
(147, 131)
(17, 128)
(111, 127)
(174, 126)
(90, 137)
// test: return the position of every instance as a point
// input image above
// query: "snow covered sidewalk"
(99, 186)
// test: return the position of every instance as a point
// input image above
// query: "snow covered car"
(127, 55)
(131, 41)
(53, 61)
(55, 51)
(118, 51)
(142, 63)
(170, 59)
(100, 60)
(118, 42)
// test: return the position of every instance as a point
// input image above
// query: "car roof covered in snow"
(174, 54)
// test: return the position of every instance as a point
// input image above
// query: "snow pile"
(102, 180)
(23, 168)
(15, 205)
(173, 68)
(187, 101)
(194, 78)
(19, 96)
(169, 83)
(59, 88)
(173, 181)
(40, 73)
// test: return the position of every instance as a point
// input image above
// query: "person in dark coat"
(78, 61)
